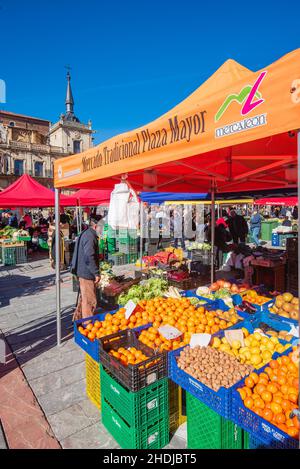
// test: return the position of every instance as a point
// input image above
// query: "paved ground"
(44, 386)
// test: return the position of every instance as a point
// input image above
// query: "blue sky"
(131, 60)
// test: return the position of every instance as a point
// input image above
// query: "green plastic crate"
(154, 435)
(8, 255)
(208, 430)
(266, 229)
(136, 408)
(246, 440)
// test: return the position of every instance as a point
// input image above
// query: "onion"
(226, 284)
(214, 287)
(220, 283)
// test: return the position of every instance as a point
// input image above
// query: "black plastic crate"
(133, 377)
(292, 247)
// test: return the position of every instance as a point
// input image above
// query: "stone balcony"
(33, 147)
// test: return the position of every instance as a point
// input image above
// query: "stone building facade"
(31, 145)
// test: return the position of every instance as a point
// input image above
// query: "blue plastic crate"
(275, 239)
(259, 428)
(91, 348)
(275, 323)
(220, 401)
(282, 319)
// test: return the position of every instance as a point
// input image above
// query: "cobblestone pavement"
(55, 375)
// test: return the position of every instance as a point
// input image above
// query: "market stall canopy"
(161, 197)
(238, 128)
(93, 197)
(27, 192)
(287, 201)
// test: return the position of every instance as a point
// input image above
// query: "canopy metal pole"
(141, 234)
(77, 219)
(57, 266)
(212, 226)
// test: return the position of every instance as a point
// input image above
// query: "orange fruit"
(94, 330)
(260, 388)
(268, 370)
(293, 432)
(280, 418)
(89, 327)
(296, 422)
(259, 403)
(293, 398)
(267, 415)
(273, 364)
(272, 388)
(254, 377)
(249, 382)
(242, 393)
(248, 402)
(258, 411)
(276, 408)
(91, 336)
(266, 396)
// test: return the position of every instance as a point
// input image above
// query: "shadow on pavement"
(35, 338)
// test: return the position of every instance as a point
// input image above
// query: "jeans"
(255, 234)
(181, 241)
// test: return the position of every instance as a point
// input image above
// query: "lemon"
(243, 349)
(235, 352)
(247, 342)
(254, 343)
(216, 342)
(257, 336)
(224, 340)
(225, 348)
(255, 359)
(274, 340)
(236, 344)
(255, 351)
(245, 332)
(270, 346)
(267, 355)
(248, 354)
(279, 348)
(287, 346)
(264, 340)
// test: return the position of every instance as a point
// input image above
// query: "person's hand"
(97, 279)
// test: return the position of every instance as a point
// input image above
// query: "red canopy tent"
(27, 192)
(86, 197)
(287, 201)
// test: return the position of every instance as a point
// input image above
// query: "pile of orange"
(181, 314)
(173, 311)
(114, 323)
(130, 356)
(153, 339)
(274, 393)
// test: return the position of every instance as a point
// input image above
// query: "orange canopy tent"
(239, 128)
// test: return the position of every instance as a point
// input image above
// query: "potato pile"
(212, 367)
(286, 305)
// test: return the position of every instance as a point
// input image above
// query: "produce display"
(230, 315)
(129, 356)
(212, 367)
(283, 335)
(153, 339)
(150, 289)
(114, 323)
(253, 297)
(256, 349)
(274, 393)
(7, 232)
(228, 287)
(181, 314)
(199, 246)
(286, 305)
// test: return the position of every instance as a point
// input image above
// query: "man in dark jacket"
(85, 264)
(238, 227)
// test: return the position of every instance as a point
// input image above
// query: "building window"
(38, 169)
(76, 146)
(18, 167)
(4, 165)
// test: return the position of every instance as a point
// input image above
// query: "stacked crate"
(208, 430)
(93, 388)
(134, 398)
(127, 242)
(292, 265)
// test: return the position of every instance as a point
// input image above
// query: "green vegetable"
(151, 289)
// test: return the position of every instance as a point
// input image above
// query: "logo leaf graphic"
(240, 98)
